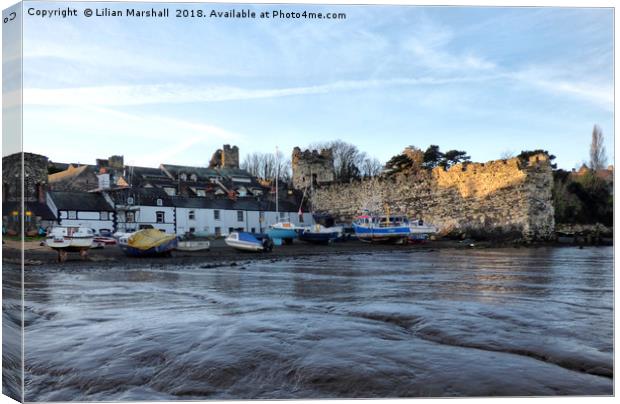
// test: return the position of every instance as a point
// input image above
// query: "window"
(160, 217)
(230, 230)
(218, 231)
(104, 216)
(159, 202)
(183, 177)
(253, 229)
(130, 217)
(192, 229)
(201, 192)
(216, 214)
(193, 177)
(301, 218)
(72, 214)
(191, 215)
(261, 216)
(240, 216)
(130, 200)
(282, 215)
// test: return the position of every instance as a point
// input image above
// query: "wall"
(311, 164)
(205, 221)
(502, 198)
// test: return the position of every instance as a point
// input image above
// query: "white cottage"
(84, 209)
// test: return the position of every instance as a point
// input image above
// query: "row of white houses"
(130, 210)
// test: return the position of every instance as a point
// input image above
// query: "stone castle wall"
(498, 198)
(312, 166)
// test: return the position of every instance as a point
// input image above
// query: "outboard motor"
(267, 244)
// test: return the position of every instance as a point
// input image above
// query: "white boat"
(419, 227)
(249, 241)
(193, 245)
(70, 238)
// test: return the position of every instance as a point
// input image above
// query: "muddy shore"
(220, 254)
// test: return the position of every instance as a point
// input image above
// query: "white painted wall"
(205, 220)
(88, 219)
(148, 215)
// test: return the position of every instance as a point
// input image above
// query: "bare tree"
(371, 167)
(507, 154)
(348, 160)
(267, 165)
(598, 158)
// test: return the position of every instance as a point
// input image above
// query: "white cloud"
(173, 93)
(561, 82)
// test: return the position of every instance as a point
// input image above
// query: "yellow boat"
(149, 243)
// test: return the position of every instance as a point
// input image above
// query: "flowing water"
(401, 324)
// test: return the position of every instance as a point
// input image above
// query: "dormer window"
(160, 202)
(183, 177)
(130, 200)
(193, 177)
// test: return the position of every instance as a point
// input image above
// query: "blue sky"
(484, 80)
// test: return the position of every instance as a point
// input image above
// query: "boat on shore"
(385, 228)
(65, 239)
(244, 241)
(148, 243)
(285, 231)
(319, 234)
(420, 231)
(193, 245)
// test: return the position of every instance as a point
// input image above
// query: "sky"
(486, 80)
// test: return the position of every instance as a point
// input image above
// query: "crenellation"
(312, 167)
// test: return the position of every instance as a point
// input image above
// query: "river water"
(401, 324)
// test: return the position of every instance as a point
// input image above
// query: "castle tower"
(228, 157)
(312, 167)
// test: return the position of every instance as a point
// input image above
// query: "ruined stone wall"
(34, 177)
(230, 157)
(312, 165)
(498, 198)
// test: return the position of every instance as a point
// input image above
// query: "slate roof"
(141, 196)
(203, 173)
(84, 201)
(250, 204)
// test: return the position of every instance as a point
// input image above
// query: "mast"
(277, 175)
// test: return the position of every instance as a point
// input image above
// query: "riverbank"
(220, 254)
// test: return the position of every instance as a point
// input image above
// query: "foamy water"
(401, 324)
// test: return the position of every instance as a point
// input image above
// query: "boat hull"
(248, 242)
(381, 234)
(160, 250)
(282, 233)
(193, 245)
(318, 238)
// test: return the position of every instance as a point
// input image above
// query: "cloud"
(429, 46)
(175, 93)
(560, 82)
(94, 132)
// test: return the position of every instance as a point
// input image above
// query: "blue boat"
(283, 231)
(319, 234)
(382, 229)
(245, 241)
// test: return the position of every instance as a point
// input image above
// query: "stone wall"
(312, 166)
(34, 177)
(502, 198)
(228, 157)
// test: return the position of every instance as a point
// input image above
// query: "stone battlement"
(312, 166)
(499, 197)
